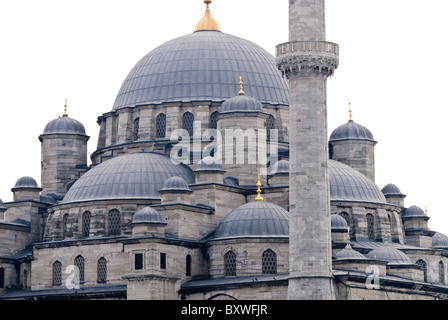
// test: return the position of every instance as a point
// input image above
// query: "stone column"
(307, 60)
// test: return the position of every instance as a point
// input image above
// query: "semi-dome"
(338, 223)
(258, 219)
(203, 66)
(413, 212)
(348, 184)
(391, 190)
(349, 254)
(280, 167)
(148, 215)
(351, 131)
(132, 176)
(209, 164)
(64, 125)
(391, 255)
(439, 240)
(175, 184)
(241, 103)
(25, 183)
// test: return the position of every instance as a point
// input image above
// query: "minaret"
(307, 61)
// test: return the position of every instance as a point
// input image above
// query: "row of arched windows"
(113, 223)
(188, 124)
(80, 271)
(370, 218)
(268, 263)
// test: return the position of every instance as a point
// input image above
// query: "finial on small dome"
(65, 109)
(207, 22)
(350, 111)
(426, 210)
(241, 87)
(259, 198)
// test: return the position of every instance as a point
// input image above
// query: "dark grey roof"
(349, 254)
(439, 240)
(413, 212)
(64, 125)
(338, 223)
(351, 131)
(348, 184)
(26, 183)
(175, 184)
(203, 66)
(2, 205)
(132, 176)
(391, 190)
(254, 219)
(209, 164)
(148, 215)
(281, 166)
(389, 254)
(241, 103)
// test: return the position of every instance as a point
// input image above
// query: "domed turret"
(148, 221)
(175, 189)
(393, 195)
(26, 188)
(209, 170)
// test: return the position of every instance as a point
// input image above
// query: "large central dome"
(203, 66)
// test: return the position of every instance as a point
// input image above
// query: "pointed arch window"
(86, 217)
(64, 225)
(79, 263)
(161, 125)
(441, 272)
(114, 222)
(370, 226)
(136, 128)
(57, 273)
(230, 264)
(213, 122)
(422, 264)
(269, 262)
(270, 125)
(102, 270)
(187, 122)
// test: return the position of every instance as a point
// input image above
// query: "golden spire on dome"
(241, 86)
(207, 22)
(350, 111)
(65, 109)
(259, 198)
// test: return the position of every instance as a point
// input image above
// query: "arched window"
(86, 216)
(230, 264)
(25, 279)
(370, 226)
(269, 262)
(79, 262)
(346, 217)
(187, 122)
(57, 273)
(188, 265)
(422, 264)
(213, 122)
(2, 278)
(161, 125)
(64, 225)
(102, 270)
(270, 125)
(441, 272)
(136, 128)
(114, 223)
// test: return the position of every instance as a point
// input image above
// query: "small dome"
(64, 125)
(209, 164)
(391, 190)
(148, 215)
(175, 184)
(338, 223)
(413, 212)
(389, 254)
(349, 254)
(439, 240)
(241, 103)
(254, 220)
(351, 131)
(26, 183)
(279, 167)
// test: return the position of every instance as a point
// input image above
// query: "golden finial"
(241, 86)
(426, 210)
(259, 198)
(65, 109)
(350, 111)
(207, 22)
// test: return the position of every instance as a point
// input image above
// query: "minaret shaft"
(307, 60)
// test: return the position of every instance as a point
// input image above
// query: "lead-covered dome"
(254, 220)
(148, 215)
(64, 125)
(132, 176)
(241, 103)
(203, 66)
(391, 255)
(351, 131)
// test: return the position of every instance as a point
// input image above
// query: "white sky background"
(393, 67)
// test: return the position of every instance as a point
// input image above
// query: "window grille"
(270, 125)
(57, 273)
(79, 262)
(138, 261)
(269, 263)
(64, 225)
(423, 265)
(213, 121)
(230, 264)
(370, 227)
(114, 223)
(346, 217)
(441, 273)
(102, 270)
(161, 126)
(136, 128)
(86, 216)
(187, 122)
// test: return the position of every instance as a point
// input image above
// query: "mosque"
(175, 205)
